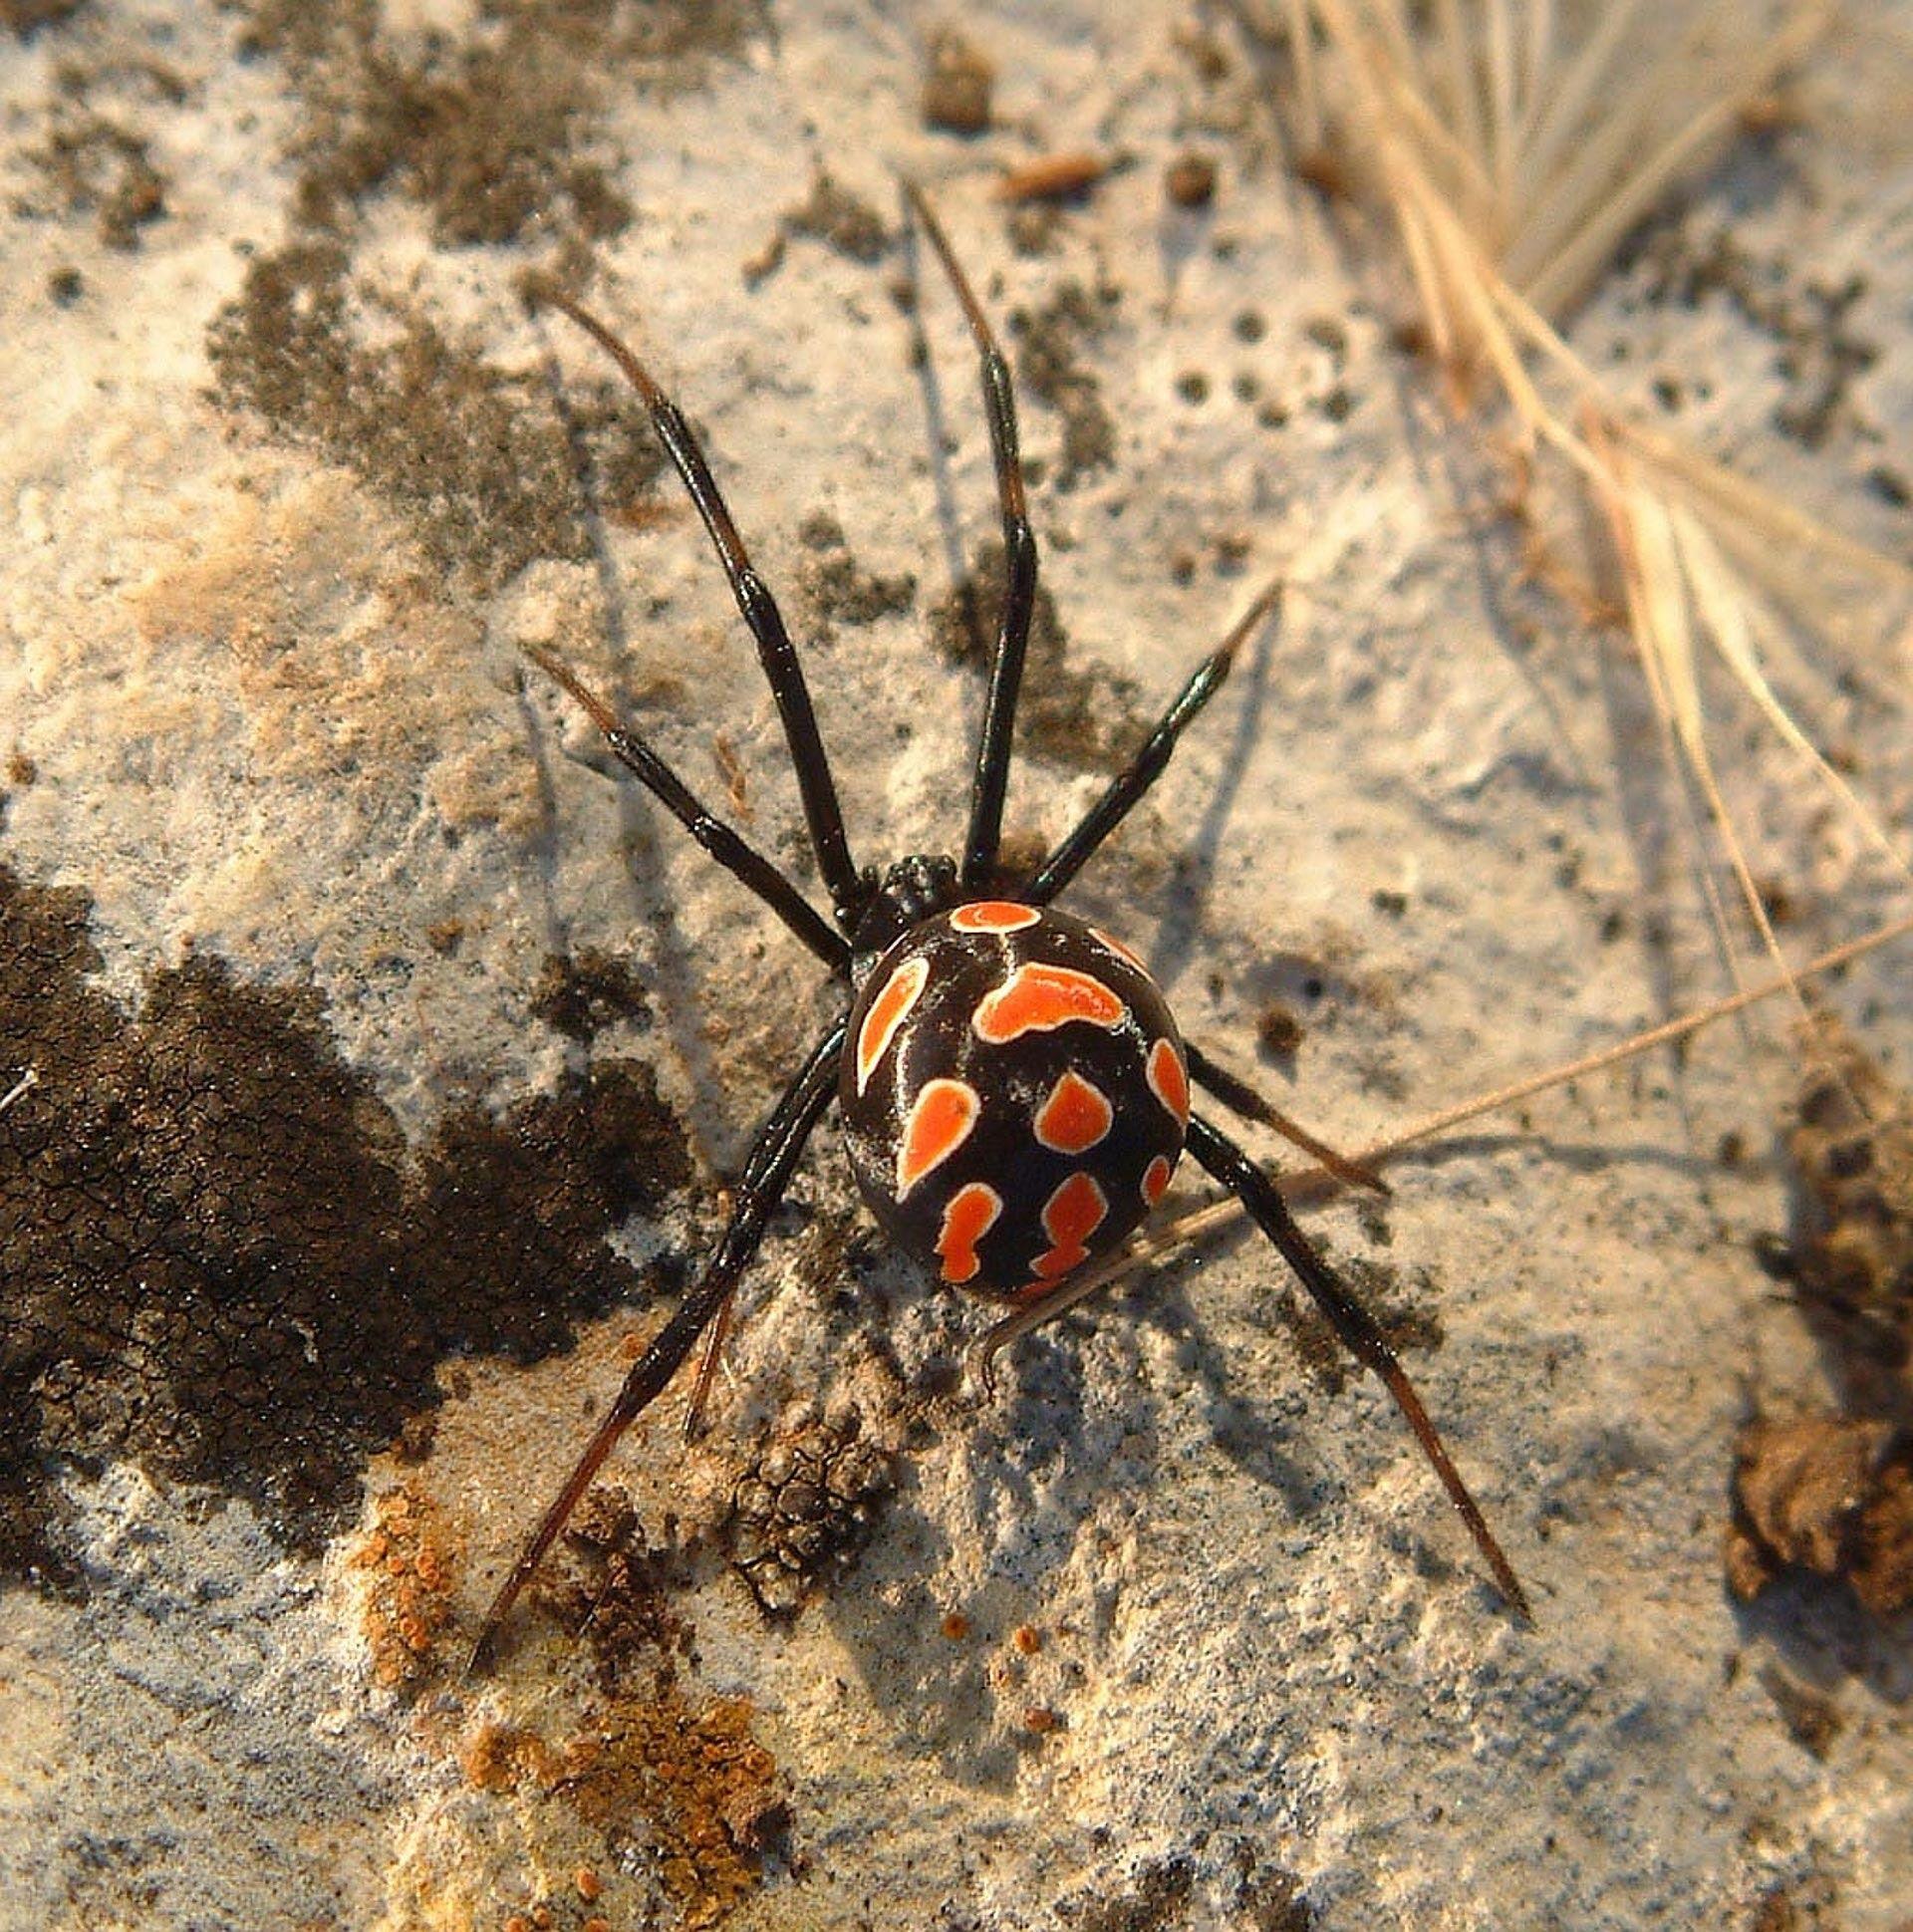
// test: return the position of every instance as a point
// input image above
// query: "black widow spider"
(1015, 1091)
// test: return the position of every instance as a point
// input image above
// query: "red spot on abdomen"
(1168, 1080)
(885, 1013)
(1156, 1178)
(971, 1215)
(1038, 998)
(993, 915)
(941, 1118)
(1074, 1117)
(1071, 1215)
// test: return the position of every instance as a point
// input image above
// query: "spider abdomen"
(1014, 1094)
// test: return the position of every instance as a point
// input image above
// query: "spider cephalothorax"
(1014, 1092)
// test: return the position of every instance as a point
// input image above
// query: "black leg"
(1241, 1098)
(1360, 1334)
(1019, 573)
(740, 859)
(766, 1174)
(1126, 790)
(774, 649)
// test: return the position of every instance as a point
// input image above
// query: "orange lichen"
(505, 1757)
(710, 1793)
(411, 1561)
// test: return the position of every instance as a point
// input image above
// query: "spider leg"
(1360, 1333)
(1039, 1310)
(991, 780)
(1126, 790)
(775, 651)
(707, 1362)
(1242, 1099)
(739, 858)
(766, 1174)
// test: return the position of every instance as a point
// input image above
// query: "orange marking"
(1074, 1117)
(887, 1013)
(1169, 1080)
(941, 1118)
(1039, 998)
(972, 1213)
(1071, 1215)
(1156, 1178)
(992, 916)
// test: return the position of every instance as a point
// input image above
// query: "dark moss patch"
(837, 589)
(469, 454)
(1402, 1302)
(492, 135)
(582, 994)
(1160, 1896)
(1820, 355)
(92, 164)
(223, 1261)
(1089, 720)
(26, 17)
(848, 222)
(1049, 364)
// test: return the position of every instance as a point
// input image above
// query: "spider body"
(1013, 1092)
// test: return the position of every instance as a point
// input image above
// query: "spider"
(1015, 1091)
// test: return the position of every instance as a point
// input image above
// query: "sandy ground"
(1176, 1630)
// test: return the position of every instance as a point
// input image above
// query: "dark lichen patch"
(1049, 364)
(1829, 1496)
(1157, 1898)
(1271, 1899)
(1089, 720)
(469, 454)
(1812, 1719)
(491, 134)
(803, 1510)
(224, 1263)
(1402, 1302)
(25, 17)
(92, 164)
(837, 589)
(832, 214)
(581, 993)
(611, 1590)
(1852, 1240)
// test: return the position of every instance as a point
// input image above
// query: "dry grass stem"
(1511, 160)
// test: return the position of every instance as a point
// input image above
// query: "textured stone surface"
(1175, 1630)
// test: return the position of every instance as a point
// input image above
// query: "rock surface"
(1175, 1630)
